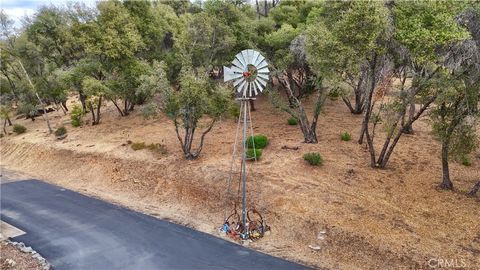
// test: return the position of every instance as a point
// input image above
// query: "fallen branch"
(475, 189)
(290, 148)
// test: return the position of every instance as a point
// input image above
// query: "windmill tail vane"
(250, 75)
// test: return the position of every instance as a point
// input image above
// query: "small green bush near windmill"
(60, 131)
(254, 154)
(19, 129)
(261, 141)
(292, 121)
(314, 159)
(345, 136)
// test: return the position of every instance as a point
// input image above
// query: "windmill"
(250, 75)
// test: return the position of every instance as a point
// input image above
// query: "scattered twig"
(290, 148)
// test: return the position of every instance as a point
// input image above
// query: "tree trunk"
(83, 100)
(64, 104)
(446, 183)
(118, 108)
(408, 129)
(96, 118)
(309, 131)
(309, 134)
(368, 113)
(93, 113)
(44, 115)
(125, 108)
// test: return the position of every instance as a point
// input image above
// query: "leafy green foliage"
(342, 36)
(466, 161)
(60, 131)
(259, 141)
(254, 154)
(76, 115)
(234, 111)
(334, 93)
(113, 34)
(150, 110)
(313, 158)
(345, 136)
(198, 97)
(423, 26)
(292, 121)
(19, 129)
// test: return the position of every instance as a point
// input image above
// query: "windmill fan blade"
(228, 74)
(245, 57)
(259, 60)
(235, 83)
(263, 76)
(262, 65)
(238, 64)
(244, 89)
(241, 59)
(240, 87)
(250, 57)
(254, 86)
(264, 70)
(259, 86)
(262, 81)
(237, 70)
(255, 57)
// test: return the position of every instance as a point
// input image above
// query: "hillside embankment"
(359, 217)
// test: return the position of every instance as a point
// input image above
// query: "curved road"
(73, 231)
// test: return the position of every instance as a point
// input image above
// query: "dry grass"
(377, 219)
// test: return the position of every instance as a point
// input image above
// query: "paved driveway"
(73, 231)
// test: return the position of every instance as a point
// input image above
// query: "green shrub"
(234, 111)
(313, 158)
(19, 129)
(138, 146)
(466, 161)
(375, 119)
(260, 141)
(334, 94)
(149, 111)
(292, 121)
(254, 154)
(76, 115)
(158, 148)
(1, 135)
(345, 136)
(60, 131)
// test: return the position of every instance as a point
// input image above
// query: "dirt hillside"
(372, 219)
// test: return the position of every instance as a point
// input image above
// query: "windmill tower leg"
(244, 160)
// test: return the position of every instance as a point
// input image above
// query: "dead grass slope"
(374, 219)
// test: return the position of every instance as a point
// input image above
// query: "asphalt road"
(73, 231)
